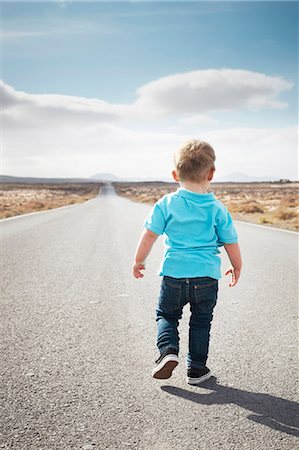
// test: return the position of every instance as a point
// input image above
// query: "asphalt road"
(78, 340)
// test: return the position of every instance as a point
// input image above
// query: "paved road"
(78, 340)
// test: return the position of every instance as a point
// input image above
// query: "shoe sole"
(199, 380)
(165, 368)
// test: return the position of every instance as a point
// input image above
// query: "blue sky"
(107, 51)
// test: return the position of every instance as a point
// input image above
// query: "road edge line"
(19, 216)
(266, 228)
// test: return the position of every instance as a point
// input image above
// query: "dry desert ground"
(19, 198)
(274, 204)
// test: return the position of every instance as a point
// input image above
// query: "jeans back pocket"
(206, 290)
(170, 296)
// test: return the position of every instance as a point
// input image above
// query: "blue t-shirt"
(195, 226)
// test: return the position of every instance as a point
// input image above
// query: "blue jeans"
(175, 293)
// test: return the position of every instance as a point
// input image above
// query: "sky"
(117, 87)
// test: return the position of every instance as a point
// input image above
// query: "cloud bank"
(195, 92)
(59, 135)
(213, 90)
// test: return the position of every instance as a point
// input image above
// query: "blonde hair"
(194, 160)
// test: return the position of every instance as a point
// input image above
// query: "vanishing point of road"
(78, 340)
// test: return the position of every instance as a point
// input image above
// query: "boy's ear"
(175, 176)
(211, 174)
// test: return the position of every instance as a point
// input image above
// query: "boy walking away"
(195, 225)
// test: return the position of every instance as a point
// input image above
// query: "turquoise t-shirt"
(195, 226)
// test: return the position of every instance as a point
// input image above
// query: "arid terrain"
(273, 204)
(17, 198)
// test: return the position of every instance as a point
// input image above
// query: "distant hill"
(239, 177)
(36, 180)
(105, 177)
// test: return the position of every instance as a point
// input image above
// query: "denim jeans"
(175, 293)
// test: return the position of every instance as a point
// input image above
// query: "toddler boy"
(195, 225)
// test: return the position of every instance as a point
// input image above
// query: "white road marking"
(264, 226)
(19, 216)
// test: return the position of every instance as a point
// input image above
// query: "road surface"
(78, 340)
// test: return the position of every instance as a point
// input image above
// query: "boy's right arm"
(154, 226)
(234, 254)
(147, 240)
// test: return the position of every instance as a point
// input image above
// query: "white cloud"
(22, 109)
(192, 93)
(58, 135)
(202, 91)
(197, 119)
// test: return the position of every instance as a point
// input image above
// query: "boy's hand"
(235, 275)
(137, 267)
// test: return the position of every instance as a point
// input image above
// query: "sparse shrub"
(289, 202)
(244, 207)
(264, 219)
(251, 208)
(285, 214)
(38, 205)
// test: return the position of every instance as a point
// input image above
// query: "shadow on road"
(275, 412)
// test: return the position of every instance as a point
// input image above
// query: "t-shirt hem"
(216, 276)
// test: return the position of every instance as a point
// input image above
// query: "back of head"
(194, 160)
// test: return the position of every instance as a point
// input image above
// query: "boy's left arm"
(234, 254)
(147, 240)
(227, 236)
